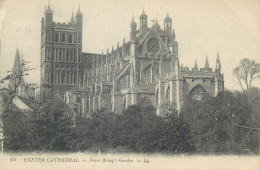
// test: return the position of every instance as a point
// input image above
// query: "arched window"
(147, 74)
(58, 72)
(68, 77)
(168, 95)
(49, 75)
(60, 54)
(63, 54)
(63, 77)
(70, 38)
(63, 37)
(79, 55)
(75, 55)
(71, 76)
(75, 77)
(71, 54)
(68, 55)
(155, 71)
(57, 54)
(57, 37)
(197, 93)
(54, 54)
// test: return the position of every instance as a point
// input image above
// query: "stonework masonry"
(144, 70)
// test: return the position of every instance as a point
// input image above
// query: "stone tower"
(61, 48)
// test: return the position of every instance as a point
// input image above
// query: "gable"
(152, 34)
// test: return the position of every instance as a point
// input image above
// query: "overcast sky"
(202, 27)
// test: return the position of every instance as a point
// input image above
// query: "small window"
(57, 37)
(80, 37)
(71, 54)
(70, 38)
(60, 54)
(68, 55)
(63, 37)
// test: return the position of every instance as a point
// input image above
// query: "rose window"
(153, 46)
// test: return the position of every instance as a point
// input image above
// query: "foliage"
(222, 124)
(226, 124)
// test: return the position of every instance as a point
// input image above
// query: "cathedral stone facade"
(61, 44)
(144, 70)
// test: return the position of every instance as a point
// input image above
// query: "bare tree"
(15, 80)
(246, 72)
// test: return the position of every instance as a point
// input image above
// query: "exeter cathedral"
(144, 70)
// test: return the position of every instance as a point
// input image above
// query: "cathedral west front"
(144, 70)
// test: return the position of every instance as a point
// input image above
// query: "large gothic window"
(197, 93)
(147, 74)
(155, 71)
(124, 82)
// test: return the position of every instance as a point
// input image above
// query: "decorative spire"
(218, 65)
(218, 57)
(133, 19)
(173, 34)
(156, 24)
(72, 18)
(196, 65)
(48, 8)
(143, 16)
(118, 45)
(17, 63)
(167, 18)
(133, 23)
(206, 63)
(17, 52)
(143, 12)
(78, 12)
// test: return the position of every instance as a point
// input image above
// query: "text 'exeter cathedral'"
(144, 70)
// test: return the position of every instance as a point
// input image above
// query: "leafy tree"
(126, 123)
(246, 72)
(15, 127)
(147, 137)
(222, 124)
(101, 128)
(176, 135)
(51, 130)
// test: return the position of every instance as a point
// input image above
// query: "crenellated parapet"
(205, 71)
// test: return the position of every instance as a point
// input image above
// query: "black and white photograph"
(128, 84)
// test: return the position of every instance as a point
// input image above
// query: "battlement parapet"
(60, 25)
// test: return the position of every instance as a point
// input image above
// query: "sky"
(203, 28)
